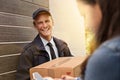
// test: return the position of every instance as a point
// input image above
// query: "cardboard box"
(60, 66)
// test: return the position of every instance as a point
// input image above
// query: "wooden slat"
(7, 49)
(28, 0)
(8, 63)
(41, 2)
(20, 7)
(16, 34)
(10, 76)
(16, 20)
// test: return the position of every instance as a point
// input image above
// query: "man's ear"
(34, 23)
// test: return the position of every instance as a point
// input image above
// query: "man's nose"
(44, 24)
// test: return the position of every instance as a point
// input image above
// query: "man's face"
(44, 25)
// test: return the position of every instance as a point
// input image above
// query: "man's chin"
(46, 35)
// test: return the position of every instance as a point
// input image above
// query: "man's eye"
(39, 22)
(47, 21)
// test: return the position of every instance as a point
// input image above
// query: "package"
(60, 66)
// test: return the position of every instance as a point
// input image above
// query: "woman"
(104, 63)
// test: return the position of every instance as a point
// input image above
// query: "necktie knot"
(49, 44)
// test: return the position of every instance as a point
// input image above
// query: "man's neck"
(47, 38)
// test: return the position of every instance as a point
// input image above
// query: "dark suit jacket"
(35, 54)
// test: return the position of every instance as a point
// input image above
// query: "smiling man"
(43, 48)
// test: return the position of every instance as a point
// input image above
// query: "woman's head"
(91, 12)
(110, 21)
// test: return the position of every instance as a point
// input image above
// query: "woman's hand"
(66, 77)
(63, 77)
(49, 78)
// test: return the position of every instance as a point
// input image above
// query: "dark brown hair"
(110, 23)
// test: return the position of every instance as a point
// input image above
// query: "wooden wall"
(16, 30)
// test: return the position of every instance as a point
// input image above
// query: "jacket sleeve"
(25, 63)
(104, 64)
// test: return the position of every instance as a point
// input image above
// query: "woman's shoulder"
(111, 46)
(109, 49)
(105, 60)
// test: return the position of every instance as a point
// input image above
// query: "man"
(43, 48)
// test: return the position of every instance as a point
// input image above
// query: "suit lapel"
(39, 46)
(59, 44)
(38, 42)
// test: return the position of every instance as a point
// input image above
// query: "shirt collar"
(45, 41)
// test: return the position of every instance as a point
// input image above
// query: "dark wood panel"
(13, 34)
(19, 7)
(42, 2)
(27, 0)
(10, 76)
(39, 2)
(11, 19)
(7, 49)
(8, 63)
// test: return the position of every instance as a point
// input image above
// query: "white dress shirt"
(47, 47)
